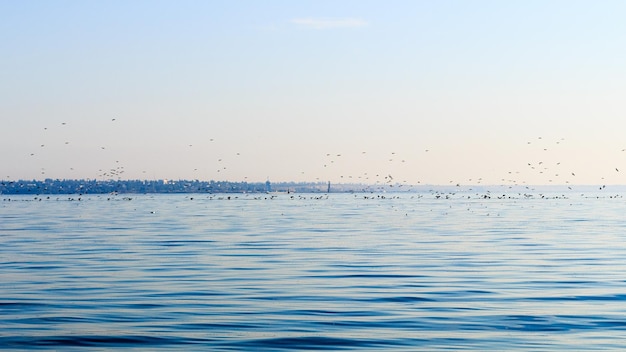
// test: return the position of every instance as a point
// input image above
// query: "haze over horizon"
(468, 92)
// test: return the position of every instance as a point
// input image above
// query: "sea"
(409, 271)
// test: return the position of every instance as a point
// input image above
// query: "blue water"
(311, 272)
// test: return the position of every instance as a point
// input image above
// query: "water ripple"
(339, 273)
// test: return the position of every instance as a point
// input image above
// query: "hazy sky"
(433, 92)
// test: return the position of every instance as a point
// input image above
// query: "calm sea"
(312, 272)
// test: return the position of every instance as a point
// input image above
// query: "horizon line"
(456, 185)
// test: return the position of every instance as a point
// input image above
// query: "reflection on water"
(338, 272)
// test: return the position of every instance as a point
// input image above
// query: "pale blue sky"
(246, 90)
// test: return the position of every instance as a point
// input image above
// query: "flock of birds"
(548, 169)
(114, 172)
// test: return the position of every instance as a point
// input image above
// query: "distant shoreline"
(91, 186)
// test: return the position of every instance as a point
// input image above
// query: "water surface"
(312, 272)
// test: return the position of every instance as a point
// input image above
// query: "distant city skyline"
(407, 92)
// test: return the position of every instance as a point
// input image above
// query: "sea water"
(313, 272)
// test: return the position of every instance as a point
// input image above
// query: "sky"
(417, 92)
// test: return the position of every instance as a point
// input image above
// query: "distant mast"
(328, 191)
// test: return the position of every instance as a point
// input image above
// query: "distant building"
(268, 186)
